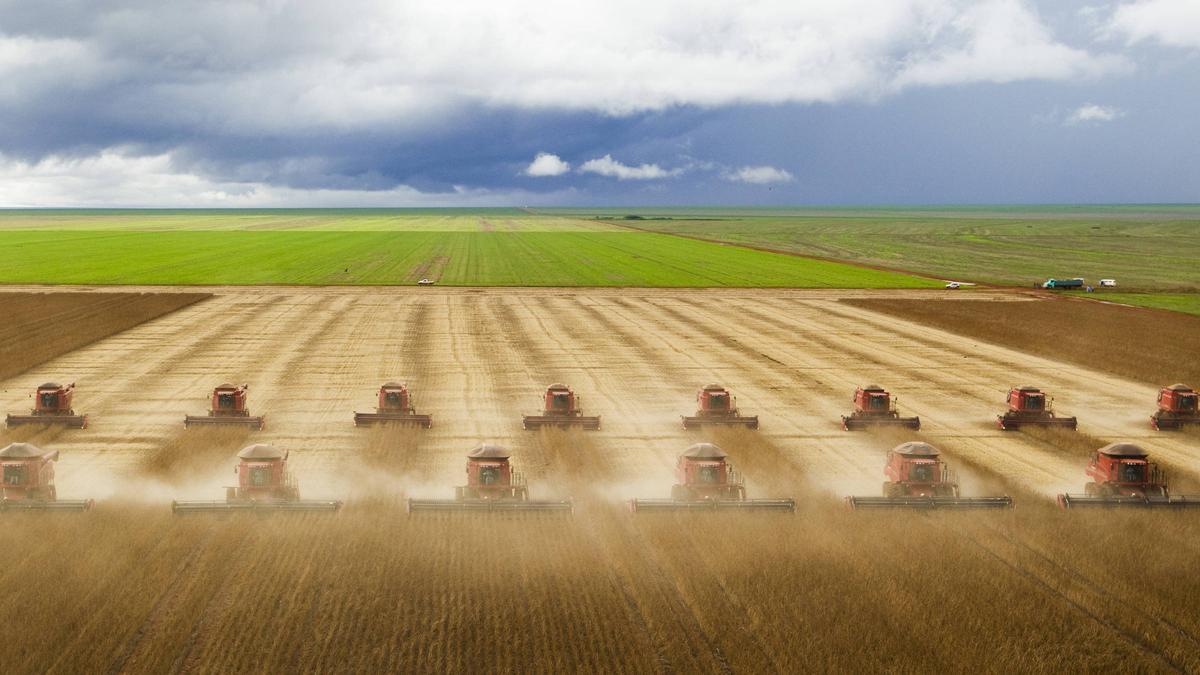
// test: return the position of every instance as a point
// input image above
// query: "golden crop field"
(129, 587)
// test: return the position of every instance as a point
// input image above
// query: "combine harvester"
(1029, 407)
(52, 405)
(228, 409)
(875, 407)
(919, 479)
(29, 481)
(716, 406)
(264, 484)
(394, 407)
(561, 410)
(1122, 476)
(707, 482)
(1177, 408)
(492, 486)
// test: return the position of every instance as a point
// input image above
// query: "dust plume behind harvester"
(1178, 407)
(705, 480)
(875, 407)
(493, 486)
(52, 406)
(715, 405)
(29, 481)
(394, 407)
(1123, 476)
(917, 478)
(561, 409)
(228, 408)
(264, 484)
(1029, 407)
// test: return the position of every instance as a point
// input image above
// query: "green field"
(460, 248)
(1149, 249)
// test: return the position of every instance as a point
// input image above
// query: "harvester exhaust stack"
(919, 479)
(29, 481)
(1029, 407)
(52, 405)
(561, 410)
(1177, 408)
(716, 406)
(228, 409)
(705, 481)
(264, 485)
(394, 407)
(1122, 476)
(875, 407)
(492, 487)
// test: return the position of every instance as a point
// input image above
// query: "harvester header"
(52, 406)
(1122, 476)
(228, 409)
(1178, 407)
(28, 473)
(264, 484)
(493, 485)
(705, 480)
(875, 407)
(394, 407)
(1030, 407)
(919, 479)
(715, 405)
(561, 409)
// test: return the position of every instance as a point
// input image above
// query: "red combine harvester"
(875, 407)
(1177, 408)
(715, 405)
(704, 480)
(264, 484)
(29, 481)
(1122, 476)
(52, 405)
(561, 410)
(1029, 407)
(228, 409)
(394, 407)
(492, 486)
(919, 479)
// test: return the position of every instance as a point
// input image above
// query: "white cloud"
(758, 175)
(546, 164)
(607, 166)
(1172, 22)
(301, 65)
(121, 178)
(1092, 113)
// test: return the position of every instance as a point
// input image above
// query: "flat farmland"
(352, 247)
(128, 587)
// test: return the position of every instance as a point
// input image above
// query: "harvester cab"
(561, 409)
(875, 407)
(1029, 406)
(1178, 406)
(492, 486)
(1122, 475)
(715, 405)
(52, 405)
(394, 407)
(919, 479)
(228, 409)
(704, 479)
(28, 474)
(264, 484)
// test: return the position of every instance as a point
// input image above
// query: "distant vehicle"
(1063, 283)
(425, 282)
(1108, 283)
(953, 285)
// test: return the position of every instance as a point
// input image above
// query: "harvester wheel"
(891, 490)
(678, 493)
(1089, 490)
